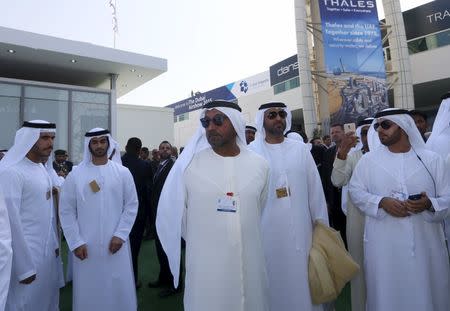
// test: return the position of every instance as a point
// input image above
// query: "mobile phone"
(349, 127)
(414, 197)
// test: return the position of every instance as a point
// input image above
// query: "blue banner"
(353, 59)
(200, 99)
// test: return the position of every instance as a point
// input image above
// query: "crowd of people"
(243, 202)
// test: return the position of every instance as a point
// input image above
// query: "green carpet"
(148, 297)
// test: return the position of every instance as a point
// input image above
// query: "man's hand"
(348, 142)
(418, 206)
(81, 252)
(115, 244)
(394, 207)
(28, 280)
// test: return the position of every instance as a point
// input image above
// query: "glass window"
(46, 93)
(90, 97)
(91, 112)
(429, 42)
(279, 88)
(51, 105)
(183, 116)
(9, 113)
(293, 83)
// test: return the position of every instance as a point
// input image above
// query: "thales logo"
(350, 3)
(286, 69)
(244, 86)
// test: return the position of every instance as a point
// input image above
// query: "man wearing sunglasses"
(343, 166)
(404, 192)
(294, 202)
(214, 196)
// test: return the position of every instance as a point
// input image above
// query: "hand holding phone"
(349, 127)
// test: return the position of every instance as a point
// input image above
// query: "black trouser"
(165, 276)
(136, 235)
(338, 221)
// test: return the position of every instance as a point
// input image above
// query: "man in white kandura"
(439, 142)
(404, 192)
(27, 190)
(97, 210)
(343, 167)
(216, 189)
(295, 200)
(5, 252)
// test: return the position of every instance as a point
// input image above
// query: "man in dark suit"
(333, 194)
(142, 175)
(61, 165)
(165, 278)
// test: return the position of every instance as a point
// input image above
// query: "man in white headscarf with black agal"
(27, 190)
(295, 201)
(403, 190)
(97, 211)
(343, 167)
(217, 189)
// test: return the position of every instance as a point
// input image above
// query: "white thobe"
(224, 258)
(406, 260)
(26, 186)
(442, 147)
(340, 176)
(5, 253)
(102, 281)
(287, 223)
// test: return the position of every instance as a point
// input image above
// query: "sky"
(207, 43)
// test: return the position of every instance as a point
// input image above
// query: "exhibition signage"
(354, 59)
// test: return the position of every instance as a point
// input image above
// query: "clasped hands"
(398, 208)
(115, 244)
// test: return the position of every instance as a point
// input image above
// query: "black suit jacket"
(158, 183)
(332, 194)
(142, 176)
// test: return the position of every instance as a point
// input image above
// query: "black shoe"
(155, 284)
(168, 292)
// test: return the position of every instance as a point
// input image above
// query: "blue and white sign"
(199, 100)
(230, 92)
(353, 58)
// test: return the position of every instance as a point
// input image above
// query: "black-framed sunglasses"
(216, 120)
(385, 125)
(273, 114)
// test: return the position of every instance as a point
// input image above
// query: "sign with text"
(201, 99)
(426, 19)
(284, 70)
(353, 59)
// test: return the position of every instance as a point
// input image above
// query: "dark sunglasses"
(273, 114)
(385, 125)
(216, 120)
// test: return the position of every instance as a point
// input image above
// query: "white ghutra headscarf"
(113, 148)
(25, 138)
(404, 120)
(259, 142)
(441, 123)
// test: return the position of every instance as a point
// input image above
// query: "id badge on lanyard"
(282, 189)
(227, 203)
